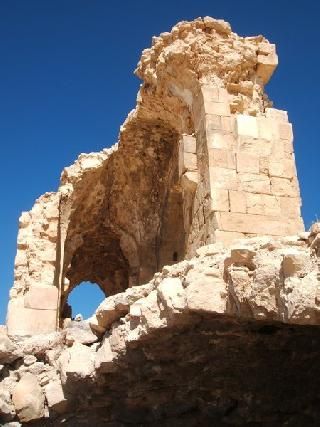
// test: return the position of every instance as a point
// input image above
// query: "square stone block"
(223, 178)
(41, 297)
(219, 200)
(222, 158)
(254, 183)
(247, 163)
(238, 202)
(23, 321)
(247, 126)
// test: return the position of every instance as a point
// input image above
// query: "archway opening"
(84, 299)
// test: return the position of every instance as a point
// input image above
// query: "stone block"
(55, 396)
(217, 140)
(212, 122)
(217, 108)
(41, 297)
(247, 126)
(228, 237)
(172, 294)
(285, 131)
(207, 296)
(238, 201)
(254, 224)
(284, 168)
(28, 399)
(189, 144)
(254, 183)
(189, 162)
(263, 204)
(290, 206)
(104, 360)
(223, 178)
(247, 163)
(283, 187)
(278, 115)
(266, 128)
(266, 66)
(219, 200)
(221, 158)
(23, 321)
(77, 362)
(255, 146)
(228, 124)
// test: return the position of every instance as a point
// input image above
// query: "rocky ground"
(230, 337)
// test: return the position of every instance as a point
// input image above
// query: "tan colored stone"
(28, 398)
(41, 297)
(247, 163)
(219, 200)
(222, 158)
(207, 296)
(247, 126)
(238, 201)
(55, 396)
(172, 294)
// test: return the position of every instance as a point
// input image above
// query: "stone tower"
(202, 158)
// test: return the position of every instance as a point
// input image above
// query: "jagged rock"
(28, 398)
(7, 410)
(80, 331)
(8, 350)
(55, 396)
(76, 363)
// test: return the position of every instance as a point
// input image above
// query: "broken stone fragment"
(104, 361)
(8, 350)
(80, 332)
(76, 363)
(172, 294)
(55, 396)
(28, 398)
(7, 410)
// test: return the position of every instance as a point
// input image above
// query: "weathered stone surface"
(28, 398)
(7, 410)
(8, 350)
(55, 396)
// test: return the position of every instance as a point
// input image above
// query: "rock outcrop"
(191, 226)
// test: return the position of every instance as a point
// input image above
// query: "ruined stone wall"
(203, 158)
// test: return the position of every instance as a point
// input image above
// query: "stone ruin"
(183, 226)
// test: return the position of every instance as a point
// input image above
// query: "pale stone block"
(189, 162)
(189, 144)
(28, 398)
(247, 126)
(104, 359)
(207, 296)
(254, 183)
(228, 124)
(266, 66)
(275, 114)
(254, 224)
(263, 204)
(217, 108)
(26, 321)
(223, 178)
(220, 141)
(189, 181)
(219, 200)
(77, 362)
(254, 146)
(228, 237)
(264, 165)
(285, 131)
(212, 122)
(266, 128)
(41, 297)
(284, 168)
(210, 93)
(290, 206)
(237, 201)
(172, 294)
(283, 187)
(247, 163)
(55, 396)
(222, 158)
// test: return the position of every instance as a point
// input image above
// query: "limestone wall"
(203, 158)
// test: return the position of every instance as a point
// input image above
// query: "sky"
(67, 84)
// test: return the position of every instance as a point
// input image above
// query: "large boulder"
(28, 399)
(8, 350)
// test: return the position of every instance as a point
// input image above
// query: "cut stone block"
(27, 321)
(247, 126)
(223, 178)
(238, 201)
(219, 200)
(41, 298)
(254, 183)
(247, 163)
(283, 187)
(222, 158)
(263, 204)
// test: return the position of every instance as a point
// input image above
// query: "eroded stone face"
(203, 158)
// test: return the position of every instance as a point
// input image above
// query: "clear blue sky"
(66, 85)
